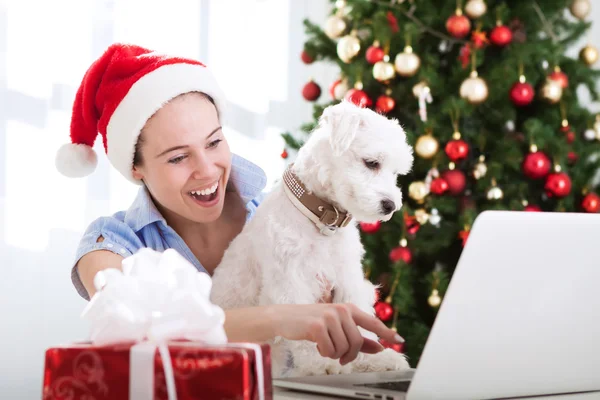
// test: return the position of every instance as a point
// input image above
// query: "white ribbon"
(156, 298)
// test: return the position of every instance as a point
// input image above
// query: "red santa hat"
(118, 94)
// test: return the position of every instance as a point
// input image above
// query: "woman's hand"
(334, 327)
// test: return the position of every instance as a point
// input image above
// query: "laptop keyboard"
(398, 386)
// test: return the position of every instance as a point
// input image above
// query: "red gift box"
(230, 371)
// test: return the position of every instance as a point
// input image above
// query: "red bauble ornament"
(458, 25)
(457, 181)
(591, 203)
(532, 208)
(358, 97)
(306, 58)
(311, 91)
(522, 94)
(501, 35)
(368, 227)
(457, 149)
(560, 77)
(572, 157)
(384, 104)
(374, 54)
(570, 136)
(384, 311)
(398, 347)
(401, 253)
(284, 154)
(536, 165)
(558, 185)
(438, 186)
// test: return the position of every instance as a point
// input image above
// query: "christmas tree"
(489, 100)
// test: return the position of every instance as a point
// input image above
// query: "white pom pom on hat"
(118, 94)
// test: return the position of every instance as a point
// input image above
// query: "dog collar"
(325, 216)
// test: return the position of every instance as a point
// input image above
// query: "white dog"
(287, 254)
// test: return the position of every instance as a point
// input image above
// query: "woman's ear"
(136, 173)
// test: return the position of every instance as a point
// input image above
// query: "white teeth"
(206, 192)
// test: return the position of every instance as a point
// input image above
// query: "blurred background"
(253, 47)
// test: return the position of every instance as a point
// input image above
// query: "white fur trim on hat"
(146, 96)
(75, 160)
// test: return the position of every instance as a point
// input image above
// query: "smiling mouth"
(205, 195)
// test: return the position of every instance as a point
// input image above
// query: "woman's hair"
(137, 155)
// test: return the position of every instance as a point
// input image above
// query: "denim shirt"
(142, 225)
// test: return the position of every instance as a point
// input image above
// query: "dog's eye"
(371, 164)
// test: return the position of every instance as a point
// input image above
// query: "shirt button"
(122, 251)
(109, 245)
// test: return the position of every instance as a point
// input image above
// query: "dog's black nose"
(387, 206)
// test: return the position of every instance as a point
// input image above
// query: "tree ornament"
(284, 154)
(572, 157)
(597, 126)
(407, 63)
(383, 70)
(457, 149)
(589, 55)
(435, 218)
(385, 103)
(374, 53)
(532, 208)
(522, 93)
(457, 181)
(464, 235)
(558, 184)
(458, 25)
(439, 186)
(591, 203)
(348, 47)
(338, 89)
(368, 227)
(397, 347)
(474, 89)
(335, 26)
(551, 91)
(475, 8)
(357, 96)
(434, 299)
(501, 35)
(426, 146)
(401, 253)
(589, 135)
(422, 216)
(509, 126)
(580, 8)
(384, 311)
(494, 193)
(480, 169)
(306, 58)
(536, 165)
(560, 77)
(423, 93)
(418, 190)
(311, 91)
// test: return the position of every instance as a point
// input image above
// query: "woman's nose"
(204, 168)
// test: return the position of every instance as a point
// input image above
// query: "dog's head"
(360, 154)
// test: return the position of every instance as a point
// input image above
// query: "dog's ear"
(343, 122)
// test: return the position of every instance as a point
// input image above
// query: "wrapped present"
(155, 335)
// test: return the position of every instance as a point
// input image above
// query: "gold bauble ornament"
(475, 8)
(580, 8)
(474, 89)
(551, 91)
(348, 47)
(480, 168)
(407, 63)
(421, 216)
(427, 146)
(383, 70)
(335, 26)
(418, 190)
(589, 55)
(494, 193)
(434, 298)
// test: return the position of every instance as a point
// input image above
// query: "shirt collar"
(247, 178)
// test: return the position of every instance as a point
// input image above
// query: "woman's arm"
(89, 265)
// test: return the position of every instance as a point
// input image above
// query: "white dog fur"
(280, 257)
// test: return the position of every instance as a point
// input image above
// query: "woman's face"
(185, 159)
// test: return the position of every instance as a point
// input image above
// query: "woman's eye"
(371, 164)
(214, 143)
(177, 159)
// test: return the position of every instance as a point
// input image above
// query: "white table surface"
(284, 394)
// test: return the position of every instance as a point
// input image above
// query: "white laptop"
(520, 318)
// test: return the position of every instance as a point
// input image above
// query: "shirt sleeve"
(117, 237)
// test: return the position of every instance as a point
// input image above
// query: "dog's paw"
(321, 366)
(386, 360)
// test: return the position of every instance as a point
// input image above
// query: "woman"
(159, 118)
